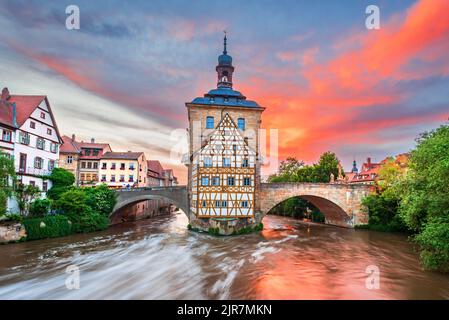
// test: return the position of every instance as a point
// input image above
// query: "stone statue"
(332, 178)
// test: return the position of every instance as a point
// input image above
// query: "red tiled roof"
(155, 166)
(25, 106)
(69, 146)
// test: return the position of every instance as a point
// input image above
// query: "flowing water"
(160, 259)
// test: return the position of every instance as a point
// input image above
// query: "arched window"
(241, 124)
(209, 122)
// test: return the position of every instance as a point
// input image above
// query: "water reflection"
(160, 259)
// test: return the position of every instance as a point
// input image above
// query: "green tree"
(62, 180)
(25, 195)
(40, 207)
(306, 174)
(73, 204)
(425, 189)
(424, 202)
(7, 179)
(101, 199)
(289, 166)
(434, 243)
(287, 170)
(327, 165)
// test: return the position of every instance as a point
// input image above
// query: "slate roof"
(122, 155)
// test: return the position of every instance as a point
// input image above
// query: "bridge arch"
(332, 212)
(174, 195)
(341, 204)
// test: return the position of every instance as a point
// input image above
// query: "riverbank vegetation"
(66, 209)
(415, 199)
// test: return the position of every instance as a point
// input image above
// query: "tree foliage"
(101, 199)
(62, 180)
(424, 206)
(425, 191)
(292, 170)
(75, 205)
(7, 179)
(25, 195)
(40, 207)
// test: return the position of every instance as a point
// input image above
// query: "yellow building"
(69, 156)
(123, 169)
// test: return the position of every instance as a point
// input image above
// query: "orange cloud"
(322, 114)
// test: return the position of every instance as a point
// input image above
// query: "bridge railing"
(150, 189)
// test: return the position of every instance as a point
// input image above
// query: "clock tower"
(223, 160)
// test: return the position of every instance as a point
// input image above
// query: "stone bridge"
(341, 204)
(175, 195)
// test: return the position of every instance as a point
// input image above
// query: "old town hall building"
(223, 159)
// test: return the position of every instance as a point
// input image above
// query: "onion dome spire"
(225, 68)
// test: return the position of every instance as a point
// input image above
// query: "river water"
(160, 259)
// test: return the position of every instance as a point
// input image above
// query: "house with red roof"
(158, 176)
(29, 133)
(369, 172)
(69, 156)
(83, 159)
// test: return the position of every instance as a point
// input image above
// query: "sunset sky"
(327, 82)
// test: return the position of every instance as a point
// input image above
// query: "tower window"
(241, 123)
(226, 162)
(216, 181)
(205, 181)
(209, 122)
(208, 162)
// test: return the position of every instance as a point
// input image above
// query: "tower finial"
(225, 40)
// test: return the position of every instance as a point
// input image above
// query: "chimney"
(368, 160)
(92, 140)
(73, 137)
(14, 113)
(5, 94)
